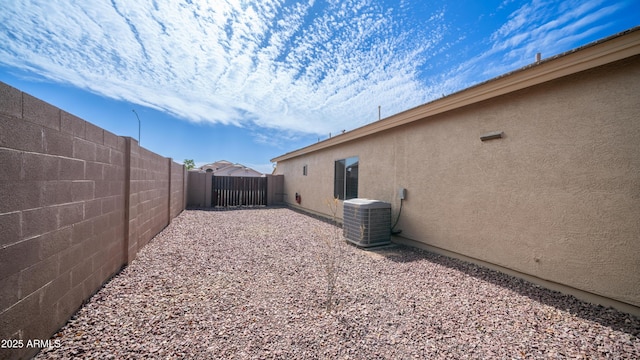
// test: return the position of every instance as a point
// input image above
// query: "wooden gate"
(238, 191)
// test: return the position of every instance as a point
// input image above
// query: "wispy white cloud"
(548, 27)
(310, 66)
(305, 66)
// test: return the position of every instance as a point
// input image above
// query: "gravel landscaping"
(252, 284)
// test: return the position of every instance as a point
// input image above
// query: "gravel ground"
(252, 284)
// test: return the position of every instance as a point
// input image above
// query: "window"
(304, 170)
(345, 183)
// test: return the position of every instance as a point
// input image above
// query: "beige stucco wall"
(557, 198)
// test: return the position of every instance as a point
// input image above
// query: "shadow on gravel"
(608, 317)
(395, 252)
(398, 253)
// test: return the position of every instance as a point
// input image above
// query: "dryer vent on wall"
(367, 222)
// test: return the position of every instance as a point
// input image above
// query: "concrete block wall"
(76, 204)
(177, 200)
(149, 197)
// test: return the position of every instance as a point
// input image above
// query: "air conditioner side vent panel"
(367, 222)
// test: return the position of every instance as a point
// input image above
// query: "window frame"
(345, 178)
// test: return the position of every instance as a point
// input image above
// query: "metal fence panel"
(239, 191)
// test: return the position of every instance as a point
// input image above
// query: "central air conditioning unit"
(367, 222)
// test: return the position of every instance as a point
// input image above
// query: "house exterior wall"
(237, 171)
(76, 203)
(556, 199)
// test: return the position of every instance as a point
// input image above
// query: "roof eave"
(602, 52)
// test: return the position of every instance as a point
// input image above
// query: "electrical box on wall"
(402, 193)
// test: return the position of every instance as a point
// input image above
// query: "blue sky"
(246, 81)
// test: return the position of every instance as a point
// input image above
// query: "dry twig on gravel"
(246, 284)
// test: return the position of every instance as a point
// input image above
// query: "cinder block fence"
(76, 204)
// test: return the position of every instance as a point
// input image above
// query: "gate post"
(208, 188)
(275, 187)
